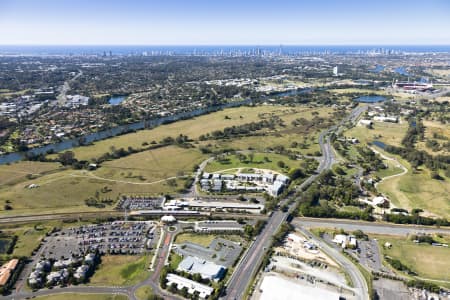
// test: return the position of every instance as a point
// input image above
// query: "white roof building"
(282, 178)
(89, 259)
(168, 219)
(249, 176)
(386, 119)
(192, 286)
(81, 271)
(207, 269)
(295, 238)
(345, 240)
(380, 200)
(365, 122)
(54, 277)
(268, 177)
(276, 188)
(228, 176)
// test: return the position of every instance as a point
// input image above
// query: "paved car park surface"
(118, 237)
(136, 203)
(220, 251)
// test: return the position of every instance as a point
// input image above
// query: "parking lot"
(220, 251)
(218, 225)
(369, 255)
(139, 203)
(108, 238)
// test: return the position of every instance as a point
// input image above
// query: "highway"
(359, 283)
(368, 227)
(252, 259)
(153, 280)
(59, 216)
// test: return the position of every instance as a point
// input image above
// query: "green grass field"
(75, 296)
(432, 127)
(392, 169)
(388, 133)
(260, 161)
(201, 239)
(427, 261)
(144, 292)
(417, 190)
(197, 126)
(356, 91)
(153, 165)
(174, 260)
(121, 270)
(261, 143)
(19, 171)
(65, 190)
(414, 189)
(30, 234)
(29, 238)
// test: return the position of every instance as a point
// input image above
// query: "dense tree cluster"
(322, 197)
(398, 265)
(414, 219)
(242, 130)
(416, 132)
(420, 157)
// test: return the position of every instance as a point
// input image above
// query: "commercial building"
(206, 269)
(6, 270)
(203, 291)
(346, 241)
(257, 182)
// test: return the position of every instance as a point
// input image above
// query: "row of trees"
(240, 130)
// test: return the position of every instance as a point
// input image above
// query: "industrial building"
(206, 269)
(204, 291)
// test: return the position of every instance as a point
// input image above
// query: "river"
(122, 129)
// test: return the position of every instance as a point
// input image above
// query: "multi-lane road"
(252, 259)
(129, 291)
(368, 227)
(359, 283)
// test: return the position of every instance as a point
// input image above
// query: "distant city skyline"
(202, 22)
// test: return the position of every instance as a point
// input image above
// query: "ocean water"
(210, 50)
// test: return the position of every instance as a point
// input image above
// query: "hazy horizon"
(224, 23)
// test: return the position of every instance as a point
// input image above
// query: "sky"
(224, 22)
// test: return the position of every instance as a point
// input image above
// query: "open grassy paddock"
(260, 161)
(76, 296)
(416, 189)
(388, 133)
(427, 261)
(151, 172)
(393, 168)
(431, 128)
(444, 73)
(201, 239)
(198, 126)
(152, 165)
(22, 170)
(262, 143)
(121, 270)
(144, 292)
(141, 173)
(30, 234)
